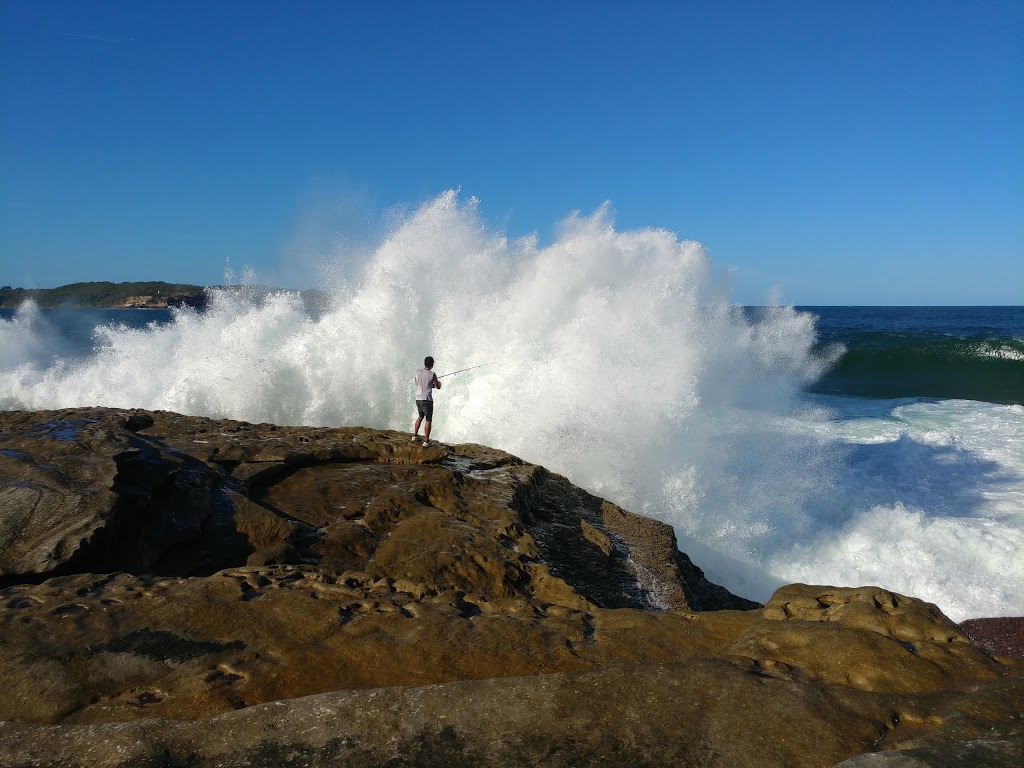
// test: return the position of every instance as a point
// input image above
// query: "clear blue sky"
(842, 152)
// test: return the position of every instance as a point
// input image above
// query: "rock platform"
(181, 591)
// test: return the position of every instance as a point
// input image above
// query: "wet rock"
(989, 753)
(1003, 636)
(81, 491)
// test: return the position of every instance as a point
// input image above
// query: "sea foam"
(617, 359)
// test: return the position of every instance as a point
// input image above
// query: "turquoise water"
(968, 353)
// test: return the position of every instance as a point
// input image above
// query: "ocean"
(828, 445)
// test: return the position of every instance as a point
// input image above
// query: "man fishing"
(426, 382)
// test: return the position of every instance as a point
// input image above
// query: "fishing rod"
(462, 370)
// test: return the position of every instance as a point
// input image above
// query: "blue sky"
(838, 152)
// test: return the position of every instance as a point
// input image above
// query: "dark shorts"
(426, 409)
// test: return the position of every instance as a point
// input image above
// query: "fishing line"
(463, 370)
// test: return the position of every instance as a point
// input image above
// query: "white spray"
(619, 361)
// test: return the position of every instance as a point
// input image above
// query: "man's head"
(428, 363)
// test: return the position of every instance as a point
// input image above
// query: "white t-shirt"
(424, 381)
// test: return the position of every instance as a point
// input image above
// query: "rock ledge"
(187, 591)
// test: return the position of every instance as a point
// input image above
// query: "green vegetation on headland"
(139, 295)
(150, 294)
(145, 295)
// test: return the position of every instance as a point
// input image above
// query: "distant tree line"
(106, 295)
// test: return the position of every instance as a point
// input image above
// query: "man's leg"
(426, 433)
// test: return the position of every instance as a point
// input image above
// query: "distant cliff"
(139, 295)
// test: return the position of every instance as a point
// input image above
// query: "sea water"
(837, 446)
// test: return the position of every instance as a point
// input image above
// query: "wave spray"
(618, 360)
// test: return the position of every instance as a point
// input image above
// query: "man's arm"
(436, 382)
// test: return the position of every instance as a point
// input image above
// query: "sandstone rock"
(365, 601)
(865, 638)
(103, 490)
(144, 302)
(688, 714)
(682, 714)
(79, 493)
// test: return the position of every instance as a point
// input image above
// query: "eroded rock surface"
(100, 490)
(362, 600)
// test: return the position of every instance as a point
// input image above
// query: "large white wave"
(616, 358)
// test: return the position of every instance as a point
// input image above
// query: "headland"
(106, 295)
